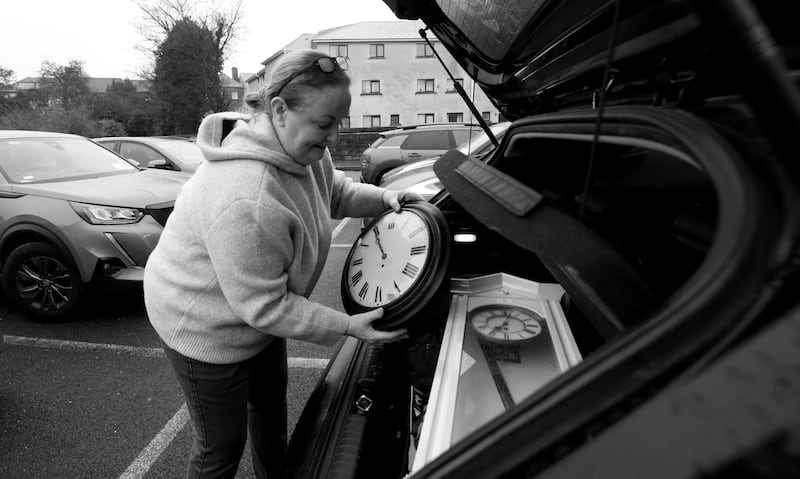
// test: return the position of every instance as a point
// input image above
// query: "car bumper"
(117, 252)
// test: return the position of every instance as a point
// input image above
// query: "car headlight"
(107, 215)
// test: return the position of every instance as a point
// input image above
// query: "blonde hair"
(293, 92)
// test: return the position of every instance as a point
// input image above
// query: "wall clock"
(398, 262)
(506, 324)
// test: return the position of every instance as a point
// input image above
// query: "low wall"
(353, 141)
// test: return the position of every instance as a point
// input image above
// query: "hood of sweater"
(236, 136)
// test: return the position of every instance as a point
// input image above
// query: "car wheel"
(41, 281)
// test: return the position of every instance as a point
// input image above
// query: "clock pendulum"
(501, 329)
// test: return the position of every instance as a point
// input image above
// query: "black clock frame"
(400, 311)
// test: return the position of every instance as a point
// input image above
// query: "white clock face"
(506, 324)
(388, 259)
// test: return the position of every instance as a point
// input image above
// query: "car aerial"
(74, 215)
(419, 176)
(612, 291)
(411, 143)
(162, 152)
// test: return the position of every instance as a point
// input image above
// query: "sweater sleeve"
(353, 199)
(251, 250)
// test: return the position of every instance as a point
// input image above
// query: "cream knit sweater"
(246, 244)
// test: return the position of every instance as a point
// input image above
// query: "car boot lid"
(535, 57)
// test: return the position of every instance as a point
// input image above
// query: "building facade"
(396, 77)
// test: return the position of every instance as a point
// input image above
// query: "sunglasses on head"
(325, 65)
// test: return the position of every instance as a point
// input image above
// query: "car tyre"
(41, 281)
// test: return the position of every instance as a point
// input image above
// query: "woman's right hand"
(361, 327)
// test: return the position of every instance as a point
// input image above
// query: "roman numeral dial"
(398, 262)
(388, 258)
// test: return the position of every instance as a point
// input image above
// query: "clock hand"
(378, 240)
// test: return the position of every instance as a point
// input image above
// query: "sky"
(103, 33)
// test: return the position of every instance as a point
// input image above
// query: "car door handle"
(414, 155)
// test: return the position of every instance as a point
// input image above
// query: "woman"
(241, 253)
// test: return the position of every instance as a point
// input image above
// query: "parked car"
(74, 214)
(612, 292)
(162, 152)
(411, 143)
(419, 176)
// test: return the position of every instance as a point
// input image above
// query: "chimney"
(235, 74)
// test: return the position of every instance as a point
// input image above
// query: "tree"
(189, 42)
(65, 84)
(6, 77)
(10, 103)
(186, 77)
(122, 103)
(160, 16)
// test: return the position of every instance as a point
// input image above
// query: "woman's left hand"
(394, 199)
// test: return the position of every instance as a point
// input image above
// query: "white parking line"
(302, 363)
(158, 445)
(150, 454)
(83, 346)
(339, 227)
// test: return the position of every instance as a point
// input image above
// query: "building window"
(371, 120)
(394, 119)
(425, 85)
(370, 87)
(338, 50)
(345, 123)
(425, 118)
(424, 50)
(451, 87)
(234, 95)
(376, 50)
(487, 116)
(455, 117)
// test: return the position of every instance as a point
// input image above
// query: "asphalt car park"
(93, 396)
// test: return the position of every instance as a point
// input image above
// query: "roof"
(227, 81)
(302, 41)
(6, 134)
(371, 31)
(151, 140)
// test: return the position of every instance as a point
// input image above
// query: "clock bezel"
(401, 310)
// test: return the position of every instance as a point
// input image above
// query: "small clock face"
(506, 324)
(388, 258)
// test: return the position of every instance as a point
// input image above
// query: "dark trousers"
(227, 400)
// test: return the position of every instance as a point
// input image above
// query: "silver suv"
(73, 213)
(411, 143)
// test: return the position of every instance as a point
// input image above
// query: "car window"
(188, 152)
(462, 136)
(479, 144)
(395, 141)
(428, 140)
(140, 153)
(107, 144)
(36, 160)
